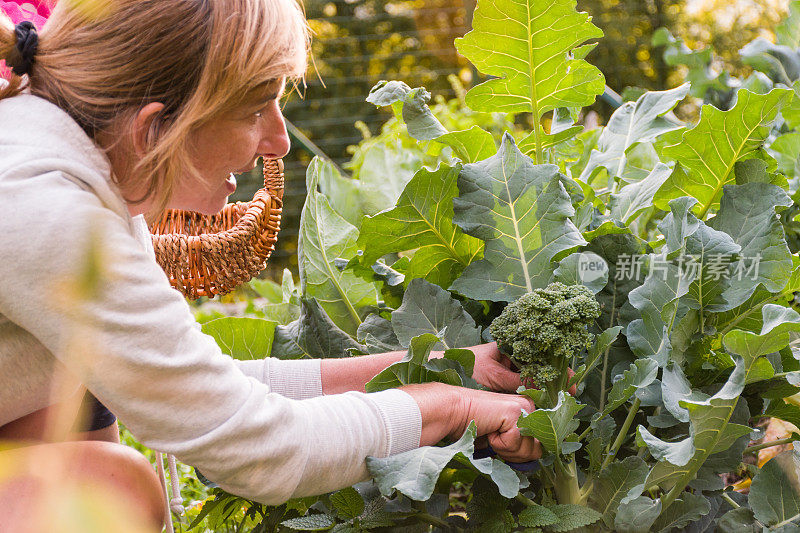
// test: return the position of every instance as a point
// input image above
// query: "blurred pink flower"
(36, 11)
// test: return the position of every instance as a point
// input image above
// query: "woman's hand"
(493, 369)
(447, 411)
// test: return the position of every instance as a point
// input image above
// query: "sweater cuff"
(252, 368)
(402, 418)
(298, 379)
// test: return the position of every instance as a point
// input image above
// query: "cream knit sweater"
(261, 429)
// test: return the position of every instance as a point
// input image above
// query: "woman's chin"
(213, 209)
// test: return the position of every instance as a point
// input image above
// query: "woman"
(123, 108)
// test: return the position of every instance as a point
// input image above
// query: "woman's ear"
(142, 125)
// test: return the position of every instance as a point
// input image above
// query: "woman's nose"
(275, 139)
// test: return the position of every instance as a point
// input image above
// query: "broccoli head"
(544, 327)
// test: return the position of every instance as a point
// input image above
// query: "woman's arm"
(353, 373)
(492, 370)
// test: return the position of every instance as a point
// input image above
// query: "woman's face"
(231, 144)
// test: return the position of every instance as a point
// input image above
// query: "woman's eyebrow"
(275, 94)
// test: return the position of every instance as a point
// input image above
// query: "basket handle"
(273, 177)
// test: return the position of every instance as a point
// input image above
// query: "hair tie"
(27, 44)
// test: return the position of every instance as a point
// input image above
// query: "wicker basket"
(206, 255)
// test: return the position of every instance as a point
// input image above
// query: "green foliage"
(775, 492)
(632, 124)
(537, 69)
(521, 211)
(242, 338)
(324, 236)
(552, 426)
(423, 221)
(544, 328)
(627, 256)
(721, 138)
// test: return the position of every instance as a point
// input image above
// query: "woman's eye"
(259, 114)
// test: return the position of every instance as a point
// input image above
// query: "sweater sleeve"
(298, 379)
(74, 276)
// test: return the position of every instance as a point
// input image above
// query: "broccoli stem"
(623, 433)
(559, 384)
(566, 482)
(608, 349)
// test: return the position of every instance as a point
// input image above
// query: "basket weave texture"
(206, 255)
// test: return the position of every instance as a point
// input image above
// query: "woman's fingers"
(493, 369)
(512, 446)
(574, 389)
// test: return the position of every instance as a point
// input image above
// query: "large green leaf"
(551, 426)
(325, 236)
(521, 211)
(636, 515)
(721, 138)
(691, 271)
(637, 197)
(313, 334)
(529, 46)
(657, 302)
(414, 473)
(613, 484)
(775, 492)
(427, 308)
(632, 123)
(739, 520)
(384, 171)
(675, 388)
(378, 335)
(423, 221)
(582, 268)
(748, 214)
(640, 374)
(777, 324)
(708, 259)
(455, 368)
(688, 508)
(748, 316)
(710, 428)
(242, 338)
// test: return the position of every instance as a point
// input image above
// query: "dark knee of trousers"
(94, 415)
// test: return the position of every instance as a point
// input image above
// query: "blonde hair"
(100, 60)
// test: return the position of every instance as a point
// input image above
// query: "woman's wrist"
(441, 408)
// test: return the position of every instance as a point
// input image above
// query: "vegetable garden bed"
(683, 234)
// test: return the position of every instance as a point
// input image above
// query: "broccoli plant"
(693, 308)
(545, 331)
